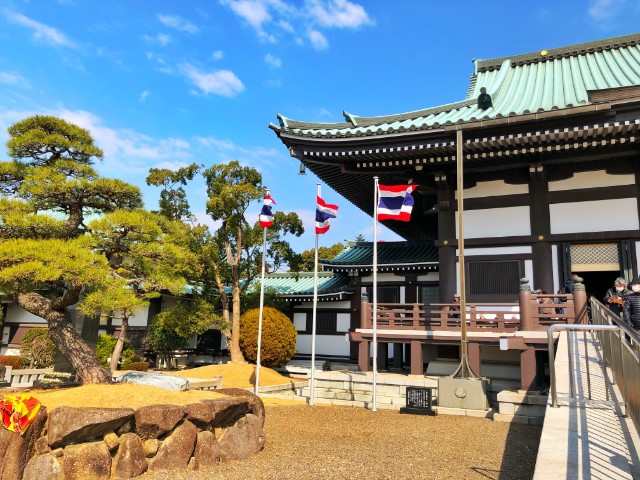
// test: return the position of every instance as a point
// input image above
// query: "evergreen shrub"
(138, 366)
(278, 337)
(104, 349)
(37, 350)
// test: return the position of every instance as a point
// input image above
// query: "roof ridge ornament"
(484, 99)
(349, 118)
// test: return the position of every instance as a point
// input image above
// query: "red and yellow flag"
(18, 412)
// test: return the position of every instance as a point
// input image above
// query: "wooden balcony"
(481, 317)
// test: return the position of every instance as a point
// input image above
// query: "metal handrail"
(552, 369)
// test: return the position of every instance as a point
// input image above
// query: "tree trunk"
(237, 358)
(69, 343)
(117, 350)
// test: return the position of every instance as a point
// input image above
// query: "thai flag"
(395, 202)
(324, 211)
(266, 216)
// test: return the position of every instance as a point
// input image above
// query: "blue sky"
(164, 83)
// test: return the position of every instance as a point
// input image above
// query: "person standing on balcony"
(631, 308)
(614, 298)
(455, 308)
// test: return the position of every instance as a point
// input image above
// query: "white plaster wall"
(470, 252)
(138, 319)
(555, 263)
(496, 222)
(300, 321)
(595, 216)
(528, 271)
(429, 277)
(598, 178)
(325, 345)
(384, 277)
(17, 314)
(343, 322)
(493, 189)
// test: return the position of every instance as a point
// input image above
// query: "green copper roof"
(547, 80)
(330, 286)
(392, 256)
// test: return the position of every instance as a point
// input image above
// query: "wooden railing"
(481, 317)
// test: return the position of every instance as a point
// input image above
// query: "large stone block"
(130, 461)
(463, 393)
(87, 460)
(73, 425)
(156, 420)
(177, 448)
(208, 452)
(16, 449)
(44, 467)
(245, 438)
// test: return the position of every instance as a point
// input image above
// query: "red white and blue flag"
(395, 202)
(266, 215)
(324, 212)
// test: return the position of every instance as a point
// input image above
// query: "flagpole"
(264, 255)
(313, 322)
(375, 291)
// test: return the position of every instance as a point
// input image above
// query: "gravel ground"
(354, 443)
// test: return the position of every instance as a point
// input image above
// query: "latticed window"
(493, 278)
(386, 294)
(326, 322)
(592, 257)
(428, 295)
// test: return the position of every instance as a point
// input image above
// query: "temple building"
(551, 157)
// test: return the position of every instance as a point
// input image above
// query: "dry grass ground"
(324, 442)
(353, 443)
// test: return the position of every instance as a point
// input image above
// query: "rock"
(86, 460)
(43, 467)
(42, 446)
(73, 425)
(112, 441)
(227, 411)
(208, 452)
(200, 414)
(130, 461)
(156, 420)
(242, 440)
(168, 382)
(177, 448)
(151, 447)
(255, 403)
(18, 449)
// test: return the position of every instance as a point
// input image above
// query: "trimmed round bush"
(11, 361)
(36, 349)
(138, 366)
(278, 337)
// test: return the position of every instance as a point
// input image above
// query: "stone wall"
(101, 443)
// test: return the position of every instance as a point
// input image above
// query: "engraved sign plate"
(419, 401)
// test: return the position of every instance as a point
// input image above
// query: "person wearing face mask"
(614, 298)
(631, 308)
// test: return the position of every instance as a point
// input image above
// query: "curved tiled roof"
(391, 256)
(329, 285)
(531, 83)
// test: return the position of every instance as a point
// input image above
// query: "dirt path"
(353, 443)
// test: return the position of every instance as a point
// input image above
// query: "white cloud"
(178, 23)
(41, 31)
(286, 26)
(144, 95)
(272, 60)
(220, 82)
(10, 78)
(254, 12)
(318, 40)
(339, 13)
(224, 150)
(160, 39)
(603, 11)
(217, 55)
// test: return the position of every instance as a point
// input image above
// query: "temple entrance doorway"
(599, 264)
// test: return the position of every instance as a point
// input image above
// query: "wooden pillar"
(580, 302)
(397, 355)
(528, 369)
(447, 239)
(364, 360)
(383, 356)
(410, 289)
(540, 222)
(474, 357)
(416, 358)
(356, 303)
(525, 305)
